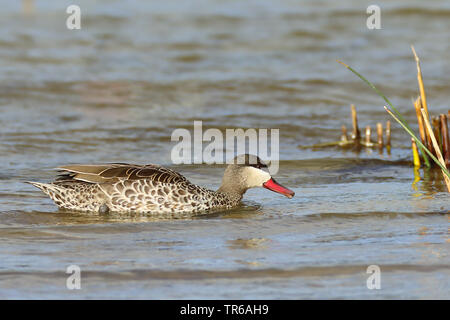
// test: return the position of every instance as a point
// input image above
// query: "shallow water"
(115, 91)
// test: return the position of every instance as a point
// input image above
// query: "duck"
(153, 189)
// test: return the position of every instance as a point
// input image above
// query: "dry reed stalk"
(416, 158)
(368, 142)
(436, 148)
(344, 137)
(388, 133)
(437, 131)
(445, 139)
(356, 135)
(423, 96)
(417, 106)
(380, 135)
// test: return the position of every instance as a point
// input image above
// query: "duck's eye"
(259, 166)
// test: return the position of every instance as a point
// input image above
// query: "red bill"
(276, 187)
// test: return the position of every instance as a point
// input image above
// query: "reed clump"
(433, 141)
(356, 140)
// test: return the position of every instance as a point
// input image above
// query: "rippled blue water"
(115, 91)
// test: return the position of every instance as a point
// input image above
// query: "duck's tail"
(44, 187)
(80, 196)
(55, 192)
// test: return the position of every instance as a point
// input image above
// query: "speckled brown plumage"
(131, 188)
(121, 187)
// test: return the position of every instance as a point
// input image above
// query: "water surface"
(115, 91)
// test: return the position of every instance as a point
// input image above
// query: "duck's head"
(247, 171)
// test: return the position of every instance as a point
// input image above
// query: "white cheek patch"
(256, 177)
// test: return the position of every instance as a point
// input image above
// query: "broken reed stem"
(420, 80)
(388, 133)
(417, 106)
(344, 137)
(423, 97)
(445, 139)
(415, 151)
(426, 140)
(437, 131)
(436, 148)
(380, 135)
(356, 135)
(368, 137)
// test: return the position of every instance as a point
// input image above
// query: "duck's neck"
(232, 184)
(231, 192)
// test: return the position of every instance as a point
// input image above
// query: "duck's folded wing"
(104, 173)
